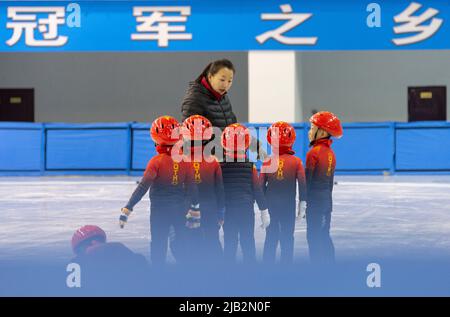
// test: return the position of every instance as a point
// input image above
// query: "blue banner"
(223, 26)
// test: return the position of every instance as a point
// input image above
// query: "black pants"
(160, 221)
(239, 227)
(203, 243)
(211, 247)
(281, 230)
(321, 248)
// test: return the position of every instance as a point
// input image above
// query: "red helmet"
(165, 130)
(85, 233)
(197, 127)
(236, 137)
(329, 122)
(286, 134)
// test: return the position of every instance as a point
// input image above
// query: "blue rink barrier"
(366, 148)
(21, 148)
(143, 148)
(87, 147)
(422, 146)
(125, 148)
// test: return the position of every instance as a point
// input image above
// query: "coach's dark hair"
(213, 67)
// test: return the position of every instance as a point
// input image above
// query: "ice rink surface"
(373, 217)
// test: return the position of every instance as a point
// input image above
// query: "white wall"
(272, 86)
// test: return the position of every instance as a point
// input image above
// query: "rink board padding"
(365, 146)
(21, 146)
(143, 148)
(423, 146)
(125, 148)
(90, 147)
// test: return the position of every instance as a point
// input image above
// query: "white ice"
(373, 216)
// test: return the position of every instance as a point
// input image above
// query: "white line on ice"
(340, 183)
(396, 184)
(67, 183)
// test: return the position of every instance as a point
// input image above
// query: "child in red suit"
(170, 182)
(204, 241)
(320, 166)
(280, 187)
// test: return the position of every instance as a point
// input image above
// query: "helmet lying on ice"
(281, 133)
(236, 138)
(197, 127)
(85, 234)
(165, 130)
(329, 122)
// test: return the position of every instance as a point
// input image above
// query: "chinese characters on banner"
(294, 20)
(25, 22)
(38, 26)
(156, 25)
(415, 24)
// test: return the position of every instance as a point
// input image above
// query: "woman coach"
(207, 95)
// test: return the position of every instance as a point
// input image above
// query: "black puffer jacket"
(199, 100)
(241, 185)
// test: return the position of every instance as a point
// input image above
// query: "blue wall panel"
(365, 147)
(20, 147)
(257, 131)
(88, 149)
(424, 146)
(125, 148)
(301, 145)
(143, 147)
